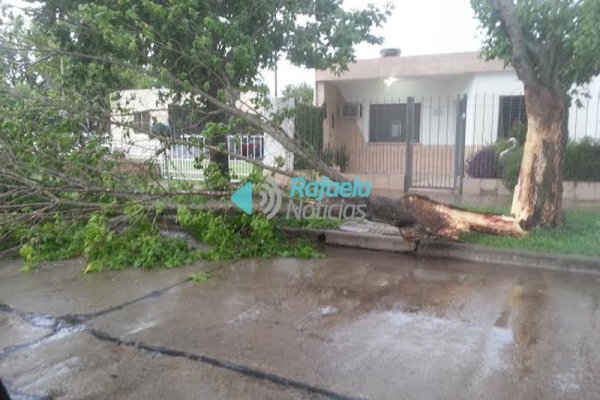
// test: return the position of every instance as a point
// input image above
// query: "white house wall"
(483, 107)
(273, 150)
(438, 99)
(137, 145)
(585, 120)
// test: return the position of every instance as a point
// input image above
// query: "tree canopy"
(211, 44)
(553, 46)
(217, 48)
(302, 93)
(547, 41)
(65, 192)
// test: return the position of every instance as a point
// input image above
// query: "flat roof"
(414, 66)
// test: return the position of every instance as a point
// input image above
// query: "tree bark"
(220, 158)
(217, 156)
(538, 197)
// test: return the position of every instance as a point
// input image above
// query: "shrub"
(484, 164)
(583, 161)
(308, 126)
(500, 145)
(511, 167)
(519, 132)
(336, 156)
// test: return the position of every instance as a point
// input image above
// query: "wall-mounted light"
(390, 81)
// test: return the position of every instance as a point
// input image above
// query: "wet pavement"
(353, 325)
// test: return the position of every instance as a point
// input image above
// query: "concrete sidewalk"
(354, 325)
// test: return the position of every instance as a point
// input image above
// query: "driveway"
(353, 325)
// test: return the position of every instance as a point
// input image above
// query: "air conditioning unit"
(351, 110)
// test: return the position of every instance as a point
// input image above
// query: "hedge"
(582, 163)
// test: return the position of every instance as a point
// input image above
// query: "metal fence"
(406, 141)
(435, 141)
(187, 161)
(401, 142)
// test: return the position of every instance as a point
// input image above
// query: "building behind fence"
(432, 123)
(436, 141)
(429, 122)
(138, 113)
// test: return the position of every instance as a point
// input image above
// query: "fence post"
(459, 148)
(410, 127)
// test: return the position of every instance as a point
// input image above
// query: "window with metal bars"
(387, 123)
(141, 121)
(512, 114)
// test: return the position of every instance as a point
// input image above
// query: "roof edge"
(414, 66)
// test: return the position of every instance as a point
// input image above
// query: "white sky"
(415, 26)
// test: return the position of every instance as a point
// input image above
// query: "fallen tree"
(65, 192)
(41, 180)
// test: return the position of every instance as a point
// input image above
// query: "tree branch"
(521, 58)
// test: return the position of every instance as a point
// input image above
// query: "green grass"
(312, 223)
(580, 235)
(200, 277)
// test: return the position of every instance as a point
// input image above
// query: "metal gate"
(435, 150)
(187, 162)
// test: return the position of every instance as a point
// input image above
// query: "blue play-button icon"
(243, 198)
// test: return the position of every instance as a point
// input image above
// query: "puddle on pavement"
(525, 305)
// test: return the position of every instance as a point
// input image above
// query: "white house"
(367, 115)
(136, 112)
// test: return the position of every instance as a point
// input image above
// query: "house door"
(435, 143)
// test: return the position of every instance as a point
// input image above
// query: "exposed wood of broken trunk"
(538, 197)
(418, 215)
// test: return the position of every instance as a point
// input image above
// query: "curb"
(526, 259)
(452, 251)
(367, 241)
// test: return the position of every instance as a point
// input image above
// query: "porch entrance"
(435, 147)
(400, 143)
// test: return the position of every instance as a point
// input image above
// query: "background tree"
(553, 46)
(219, 46)
(301, 94)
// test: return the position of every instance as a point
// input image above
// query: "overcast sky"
(415, 26)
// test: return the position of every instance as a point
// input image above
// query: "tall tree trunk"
(217, 142)
(218, 157)
(538, 197)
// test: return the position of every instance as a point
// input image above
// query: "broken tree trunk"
(418, 216)
(443, 221)
(538, 197)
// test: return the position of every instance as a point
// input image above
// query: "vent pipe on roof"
(390, 52)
